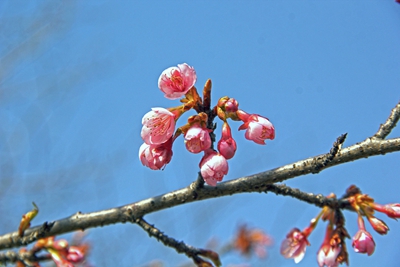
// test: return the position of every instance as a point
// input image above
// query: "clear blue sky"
(76, 77)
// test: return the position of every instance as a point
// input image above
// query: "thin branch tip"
(386, 128)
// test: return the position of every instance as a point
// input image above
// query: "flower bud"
(213, 167)
(378, 225)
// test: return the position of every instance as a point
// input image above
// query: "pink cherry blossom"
(158, 126)
(294, 246)
(327, 255)
(363, 242)
(177, 81)
(197, 139)
(227, 145)
(258, 128)
(213, 167)
(156, 156)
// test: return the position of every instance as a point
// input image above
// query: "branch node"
(337, 146)
(390, 123)
(197, 185)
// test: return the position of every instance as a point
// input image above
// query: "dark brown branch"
(317, 200)
(387, 127)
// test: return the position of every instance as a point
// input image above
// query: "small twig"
(318, 200)
(179, 246)
(332, 153)
(387, 127)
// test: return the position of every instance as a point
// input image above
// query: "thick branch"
(260, 182)
(253, 183)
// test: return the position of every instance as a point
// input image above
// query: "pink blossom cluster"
(159, 126)
(333, 249)
(62, 254)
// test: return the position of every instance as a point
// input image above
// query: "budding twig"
(318, 200)
(179, 246)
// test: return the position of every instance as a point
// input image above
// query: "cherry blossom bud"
(378, 225)
(391, 210)
(227, 145)
(294, 246)
(228, 104)
(213, 167)
(158, 126)
(75, 254)
(258, 128)
(231, 105)
(197, 139)
(175, 82)
(362, 240)
(156, 156)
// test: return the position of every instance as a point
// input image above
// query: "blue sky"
(76, 77)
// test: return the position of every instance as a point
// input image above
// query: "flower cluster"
(333, 250)
(159, 129)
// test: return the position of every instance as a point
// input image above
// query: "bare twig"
(332, 153)
(318, 200)
(387, 127)
(179, 246)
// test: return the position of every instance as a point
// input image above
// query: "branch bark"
(260, 182)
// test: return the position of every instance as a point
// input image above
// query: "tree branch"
(180, 247)
(260, 182)
(332, 153)
(27, 257)
(387, 127)
(317, 200)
